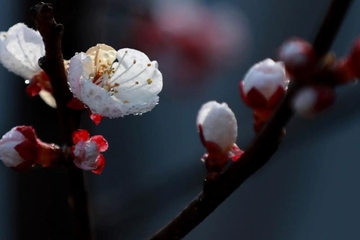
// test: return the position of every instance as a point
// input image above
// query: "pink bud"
(20, 148)
(218, 131)
(87, 151)
(311, 100)
(264, 84)
(298, 57)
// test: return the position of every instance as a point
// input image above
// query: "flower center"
(104, 74)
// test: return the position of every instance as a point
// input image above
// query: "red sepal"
(344, 71)
(80, 135)
(276, 98)
(33, 89)
(354, 57)
(216, 159)
(28, 132)
(253, 98)
(235, 153)
(37, 83)
(257, 100)
(96, 118)
(27, 151)
(100, 162)
(325, 97)
(75, 104)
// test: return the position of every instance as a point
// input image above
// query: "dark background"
(308, 190)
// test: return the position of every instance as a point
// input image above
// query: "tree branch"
(53, 64)
(260, 151)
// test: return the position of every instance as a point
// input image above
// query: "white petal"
(47, 98)
(304, 101)
(9, 156)
(218, 123)
(21, 49)
(266, 77)
(140, 82)
(99, 100)
(79, 69)
(86, 153)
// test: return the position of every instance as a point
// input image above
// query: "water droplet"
(27, 81)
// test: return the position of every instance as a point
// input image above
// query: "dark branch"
(53, 64)
(260, 151)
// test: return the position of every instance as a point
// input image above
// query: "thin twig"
(53, 64)
(259, 152)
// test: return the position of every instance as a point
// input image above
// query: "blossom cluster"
(115, 83)
(107, 82)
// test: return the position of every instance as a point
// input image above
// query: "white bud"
(218, 124)
(266, 77)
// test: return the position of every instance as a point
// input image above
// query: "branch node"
(59, 28)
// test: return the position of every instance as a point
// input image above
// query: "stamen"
(121, 60)
(117, 77)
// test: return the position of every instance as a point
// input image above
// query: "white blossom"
(20, 49)
(115, 83)
(218, 124)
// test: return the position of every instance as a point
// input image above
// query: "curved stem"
(261, 149)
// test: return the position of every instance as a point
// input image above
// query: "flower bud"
(264, 85)
(20, 148)
(312, 100)
(298, 57)
(87, 151)
(218, 132)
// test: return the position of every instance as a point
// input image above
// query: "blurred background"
(308, 190)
